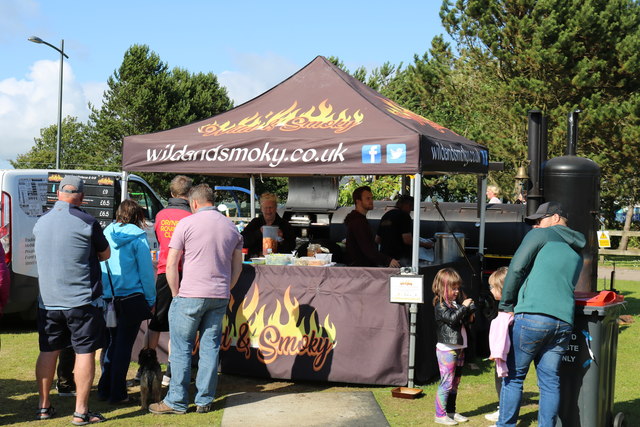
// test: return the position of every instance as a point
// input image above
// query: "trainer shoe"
(163, 408)
(458, 417)
(65, 391)
(445, 420)
(166, 380)
(204, 409)
(493, 416)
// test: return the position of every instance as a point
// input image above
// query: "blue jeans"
(186, 317)
(543, 340)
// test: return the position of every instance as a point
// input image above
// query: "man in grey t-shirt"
(69, 247)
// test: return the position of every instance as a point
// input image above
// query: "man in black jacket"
(395, 232)
(361, 246)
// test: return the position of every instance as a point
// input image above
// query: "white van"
(28, 193)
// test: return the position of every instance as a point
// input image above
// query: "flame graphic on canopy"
(295, 336)
(402, 112)
(289, 120)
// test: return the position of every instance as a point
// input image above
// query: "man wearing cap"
(538, 292)
(395, 231)
(69, 244)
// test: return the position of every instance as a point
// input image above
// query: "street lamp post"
(62, 56)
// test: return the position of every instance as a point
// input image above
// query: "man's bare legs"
(45, 369)
(152, 339)
(84, 370)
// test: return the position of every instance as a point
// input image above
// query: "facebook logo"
(372, 153)
(396, 153)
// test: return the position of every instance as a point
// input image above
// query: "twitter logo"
(396, 153)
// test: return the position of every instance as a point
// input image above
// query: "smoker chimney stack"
(537, 137)
(572, 132)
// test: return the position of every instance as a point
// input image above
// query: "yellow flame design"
(402, 112)
(283, 333)
(289, 120)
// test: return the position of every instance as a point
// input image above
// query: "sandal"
(87, 418)
(45, 413)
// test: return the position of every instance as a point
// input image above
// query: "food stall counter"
(316, 323)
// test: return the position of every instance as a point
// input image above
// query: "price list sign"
(99, 195)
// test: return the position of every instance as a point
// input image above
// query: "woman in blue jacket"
(128, 277)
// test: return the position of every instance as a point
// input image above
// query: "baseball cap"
(546, 210)
(404, 198)
(74, 181)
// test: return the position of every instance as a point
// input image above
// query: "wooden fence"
(626, 252)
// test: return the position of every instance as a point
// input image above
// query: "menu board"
(99, 194)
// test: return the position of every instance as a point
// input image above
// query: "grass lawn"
(476, 396)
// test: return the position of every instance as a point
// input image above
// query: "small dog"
(150, 377)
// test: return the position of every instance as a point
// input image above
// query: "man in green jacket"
(538, 291)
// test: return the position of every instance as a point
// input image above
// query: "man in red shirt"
(166, 221)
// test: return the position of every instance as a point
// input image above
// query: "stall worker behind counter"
(361, 246)
(395, 232)
(252, 233)
(493, 194)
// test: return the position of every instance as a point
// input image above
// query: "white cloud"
(255, 74)
(30, 104)
(93, 93)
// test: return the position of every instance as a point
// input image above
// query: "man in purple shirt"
(212, 249)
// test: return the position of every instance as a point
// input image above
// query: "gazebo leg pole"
(415, 259)
(124, 186)
(252, 188)
(483, 215)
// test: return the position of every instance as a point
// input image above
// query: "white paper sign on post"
(406, 288)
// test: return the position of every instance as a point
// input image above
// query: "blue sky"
(250, 45)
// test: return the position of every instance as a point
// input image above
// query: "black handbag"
(134, 305)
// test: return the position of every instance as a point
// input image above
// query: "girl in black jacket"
(452, 312)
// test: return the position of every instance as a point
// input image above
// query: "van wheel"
(619, 420)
